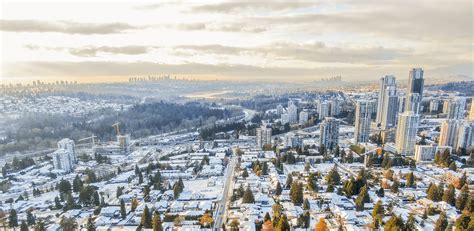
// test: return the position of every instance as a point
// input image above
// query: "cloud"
(312, 52)
(237, 27)
(412, 20)
(213, 49)
(230, 7)
(220, 27)
(66, 27)
(150, 6)
(191, 26)
(91, 51)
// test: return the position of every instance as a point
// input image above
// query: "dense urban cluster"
(16, 106)
(388, 158)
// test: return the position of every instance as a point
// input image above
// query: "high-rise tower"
(362, 121)
(415, 85)
(385, 83)
(406, 133)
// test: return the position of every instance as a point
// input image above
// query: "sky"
(110, 41)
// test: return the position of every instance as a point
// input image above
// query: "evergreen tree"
(411, 222)
(134, 204)
(119, 192)
(64, 187)
(137, 170)
(278, 189)
(178, 188)
(289, 180)
(123, 210)
(303, 220)
(394, 223)
(432, 192)
(453, 166)
(146, 193)
(68, 224)
(96, 199)
(333, 176)
(90, 225)
(30, 219)
(395, 186)
(12, 219)
(469, 208)
(376, 222)
(462, 198)
(23, 226)
(330, 188)
(265, 168)
(140, 178)
(267, 217)
(381, 192)
(442, 222)
(362, 198)
(146, 219)
(306, 205)
(57, 203)
(245, 174)
(337, 151)
(378, 209)
(349, 187)
(449, 195)
(360, 181)
(234, 225)
(410, 180)
(283, 224)
(359, 204)
(296, 193)
(462, 180)
(157, 224)
(86, 196)
(342, 153)
(364, 194)
(240, 191)
(248, 196)
(70, 201)
(465, 222)
(39, 226)
(311, 183)
(349, 158)
(157, 180)
(77, 184)
(277, 214)
(386, 162)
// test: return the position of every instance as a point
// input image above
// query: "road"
(221, 211)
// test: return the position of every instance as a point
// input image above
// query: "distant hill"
(465, 87)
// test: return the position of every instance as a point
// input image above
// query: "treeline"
(208, 133)
(462, 86)
(17, 164)
(40, 132)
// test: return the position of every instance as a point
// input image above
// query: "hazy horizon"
(110, 41)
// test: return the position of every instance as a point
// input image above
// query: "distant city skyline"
(111, 41)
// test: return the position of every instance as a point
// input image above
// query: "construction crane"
(116, 126)
(88, 138)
